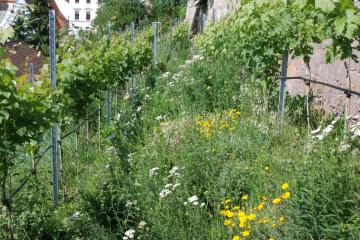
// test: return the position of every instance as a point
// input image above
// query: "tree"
(31, 25)
(120, 13)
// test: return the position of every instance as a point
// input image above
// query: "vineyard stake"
(155, 43)
(54, 128)
(133, 93)
(108, 104)
(170, 40)
(282, 95)
(31, 73)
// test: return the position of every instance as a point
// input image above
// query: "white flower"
(174, 170)
(159, 118)
(328, 129)
(75, 216)
(107, 166)
(195, 203)
(202, 204)
(344, 147)
(315, 131)
(185, 203)
(139, 108)
(129, 233)
(192, 199)
(357, 133)
(153, 171)
(164, 193)
(142, 224)
(169, 185)
(175, 186)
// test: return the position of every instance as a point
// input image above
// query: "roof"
(21, 54)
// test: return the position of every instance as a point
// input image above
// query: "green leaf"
(325, 5)
(339, 25)
(329, 55)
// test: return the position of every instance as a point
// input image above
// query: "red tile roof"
(21, 55)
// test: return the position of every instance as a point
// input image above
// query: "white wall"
(68, 9)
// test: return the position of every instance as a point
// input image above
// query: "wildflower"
(276, 201)
(285, 186)
(260, 206)
(227, 201)
(174, 170)
(281, 219)
(236, 208)
(236, 238)
(202, 205)
(175, 186)
(164, 193)
(251, 217)
(169, 185)
(286, 195)
(142, 224)
(129, 233)
(245, 233)
(267, 168)
(245, 197)
(315, 131)
(193, 199)
(153, 171)
(75, 216)
(229, 214)
(264, 198)
(227, 222)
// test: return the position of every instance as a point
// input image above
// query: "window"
(77, 15)
(88, 16)
(88, 1)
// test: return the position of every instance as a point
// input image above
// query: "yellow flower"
(236, 238)
(237, 113)
(245, 233)
(251, 217)
(267, 168)
(284, 186)
(245, 197)
(276, 201)
(260, 206)
(227, 222)
(236, 208)
(286, 195)
(264, 198)
(281, 219)
(271, 239)
(227, 201)
(229, 214)
(223, 212)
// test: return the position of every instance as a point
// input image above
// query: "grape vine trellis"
(86, 69)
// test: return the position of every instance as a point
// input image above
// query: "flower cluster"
(221, 122)
(320, 134)
(245, 220)
(174, 176)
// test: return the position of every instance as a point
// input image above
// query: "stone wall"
(330, 100)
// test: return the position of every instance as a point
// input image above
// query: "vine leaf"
(326, 6)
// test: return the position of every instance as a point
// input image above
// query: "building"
(22, 55)
(78, 13)
(9, 10)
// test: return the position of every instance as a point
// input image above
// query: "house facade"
(78, 13)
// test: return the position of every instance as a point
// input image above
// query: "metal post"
(54, 129)
(282, 95)
(214, 15)
(108, 104)
(108, 92)
(155, 43)
(170, 40)
(203, 22)
(31, 73)
(132, 92)
(132, 32)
